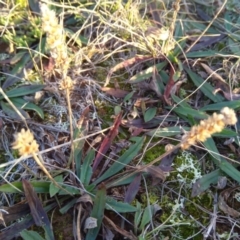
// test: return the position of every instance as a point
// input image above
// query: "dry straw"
(214, 124)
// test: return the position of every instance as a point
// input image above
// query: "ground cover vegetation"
(119, 119)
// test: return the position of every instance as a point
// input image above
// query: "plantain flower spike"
(25, 143)
(214, 124)
(55, 37)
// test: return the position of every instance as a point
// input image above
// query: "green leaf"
(17, 57)
(73, 190)
(176, 75)
(137, 216)
(117, 109)
(23, 104)
(184, 111)
(120, 207)
(53, 189)
(147, 73)
(205, 87)
(150, 114)
(180, 102)
(228, 21)
(225, 166)
(49, 235)
(208, 53)
(23, 91)
(29, 235)
(86, 168)
(15, 187)
(125, 159)
(78, 147)
(164, 77)
(226, 133)
(18, 68)
(147, 216)
(167, 132)
(128, 96)
(34, 6)
(235, 104)
(173, 56)
(178, 33)
(205, 182)
(230, 170)
(7, 108)
(78, 155)
(97, 213)
(234, 46)
(213, 151)
(76, 37)
(68, 205)
(121, 181)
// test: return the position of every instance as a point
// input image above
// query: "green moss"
(105, 111)
(152, 152)
(3, 156)
(179, 212)
(151, 198)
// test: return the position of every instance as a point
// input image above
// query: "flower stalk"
(58, 50)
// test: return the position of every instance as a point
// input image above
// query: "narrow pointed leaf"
(120, 207)
(235, 104)
(125, 159)
(205, 87)
(39, 187)
(145, 74)
(137, 216)
(97, 212)
(23, 104)
(205, 182)
(7, 108)
(23, 91)
(29, 235)
(223, 164)
(53, 189)
(150, 114)
(184, 111)
(121, 181)
(86, 169)
(147, 216)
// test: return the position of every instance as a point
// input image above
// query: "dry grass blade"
(123, 232)
(16, 211)
(209, 25)
(125, 64)
(133, 189)
(39, 215)
(107, 142)
(223, 205)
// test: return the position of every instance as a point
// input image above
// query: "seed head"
(214, 124)
(55, 38)
(25, 143)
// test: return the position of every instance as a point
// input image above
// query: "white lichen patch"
(188, 169)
